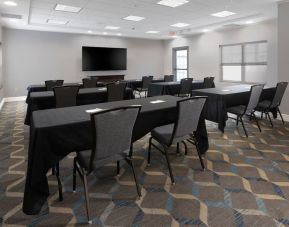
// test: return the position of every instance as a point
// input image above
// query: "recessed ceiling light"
(10, 3)
(112, 28)
(223, 14)
(65, 8)
(205, 30)
(13, 20)
(134, 18)
(119, 34)
(172, 3)
(249, 22)
(89, 31)
(104, 33)
(57, 22)
(180, 25)
(152, 32)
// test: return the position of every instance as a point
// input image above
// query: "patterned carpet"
(246, 182)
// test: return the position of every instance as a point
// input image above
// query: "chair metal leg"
(244, 126)
(169, 165)
(237, 121)
(262, 115)
(149, 151)
(58, 182)
(74, 176)
(257, 122)
(199, 154)
(130, 162)
(186, 148)
(86, 196)
(178, 148)
(117, 168)
(281, 116)
(270, 119)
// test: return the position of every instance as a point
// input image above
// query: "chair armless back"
(89, 82)
(146, 81)
(115, 91)
(49, 84)
(255, 94)
(112, 132)
(279, 93)
(189, 111)
(168, 78)
(186, 86)
(208, 82)
(65, 96)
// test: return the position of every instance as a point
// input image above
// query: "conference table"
(171, 88)
(54, 133)
(223, 97)
(136, 83)
(46, 100)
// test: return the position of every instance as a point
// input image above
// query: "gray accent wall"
(283, 50)
(31, 57)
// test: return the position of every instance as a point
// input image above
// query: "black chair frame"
(83, 173)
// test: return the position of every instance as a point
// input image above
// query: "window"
(180, 66)
(245, 62)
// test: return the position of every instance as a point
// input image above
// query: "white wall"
(204, 57)
(1, 68)
(31, 57)
(283, 50)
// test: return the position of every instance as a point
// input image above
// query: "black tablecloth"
(170, 88)
(138, 83)
(46, 100)
(55, 133)
(222, 97)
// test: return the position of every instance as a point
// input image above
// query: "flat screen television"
(103, 58)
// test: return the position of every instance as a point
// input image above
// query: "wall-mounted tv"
(103, 58)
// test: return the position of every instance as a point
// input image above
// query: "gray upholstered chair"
(112, 137)
(65, 96)
(169, 78)
(49, 84)
(89, 82)
(186, 87)
(267, 106)
(116, 91)
(208, 82)
(189, 111)
(241, 110)
(146, 81)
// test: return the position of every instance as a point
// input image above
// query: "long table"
(222, 97)
(171, 88)
(46, 100)
(54, 133)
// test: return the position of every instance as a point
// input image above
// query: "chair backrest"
(49, 84)
(112, 132)
(186, 86)
(146, 81)
(115, 91)
(168, 78)
(208, 82)
(65, 96)
(255, 93)
(279, 93)
(189, 112)
(89, 82)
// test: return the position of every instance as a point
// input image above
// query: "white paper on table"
(102, 89)
(157, 101)
(226, 90)
(93, 110)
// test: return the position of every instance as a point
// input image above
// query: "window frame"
(242, 64)
(175, 49)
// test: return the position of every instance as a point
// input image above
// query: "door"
(181, 62)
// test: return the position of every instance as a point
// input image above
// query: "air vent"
(11, 16)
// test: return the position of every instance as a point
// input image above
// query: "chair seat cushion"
(237, 110)
(163, 133)
(264, 105)
(83, 158)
